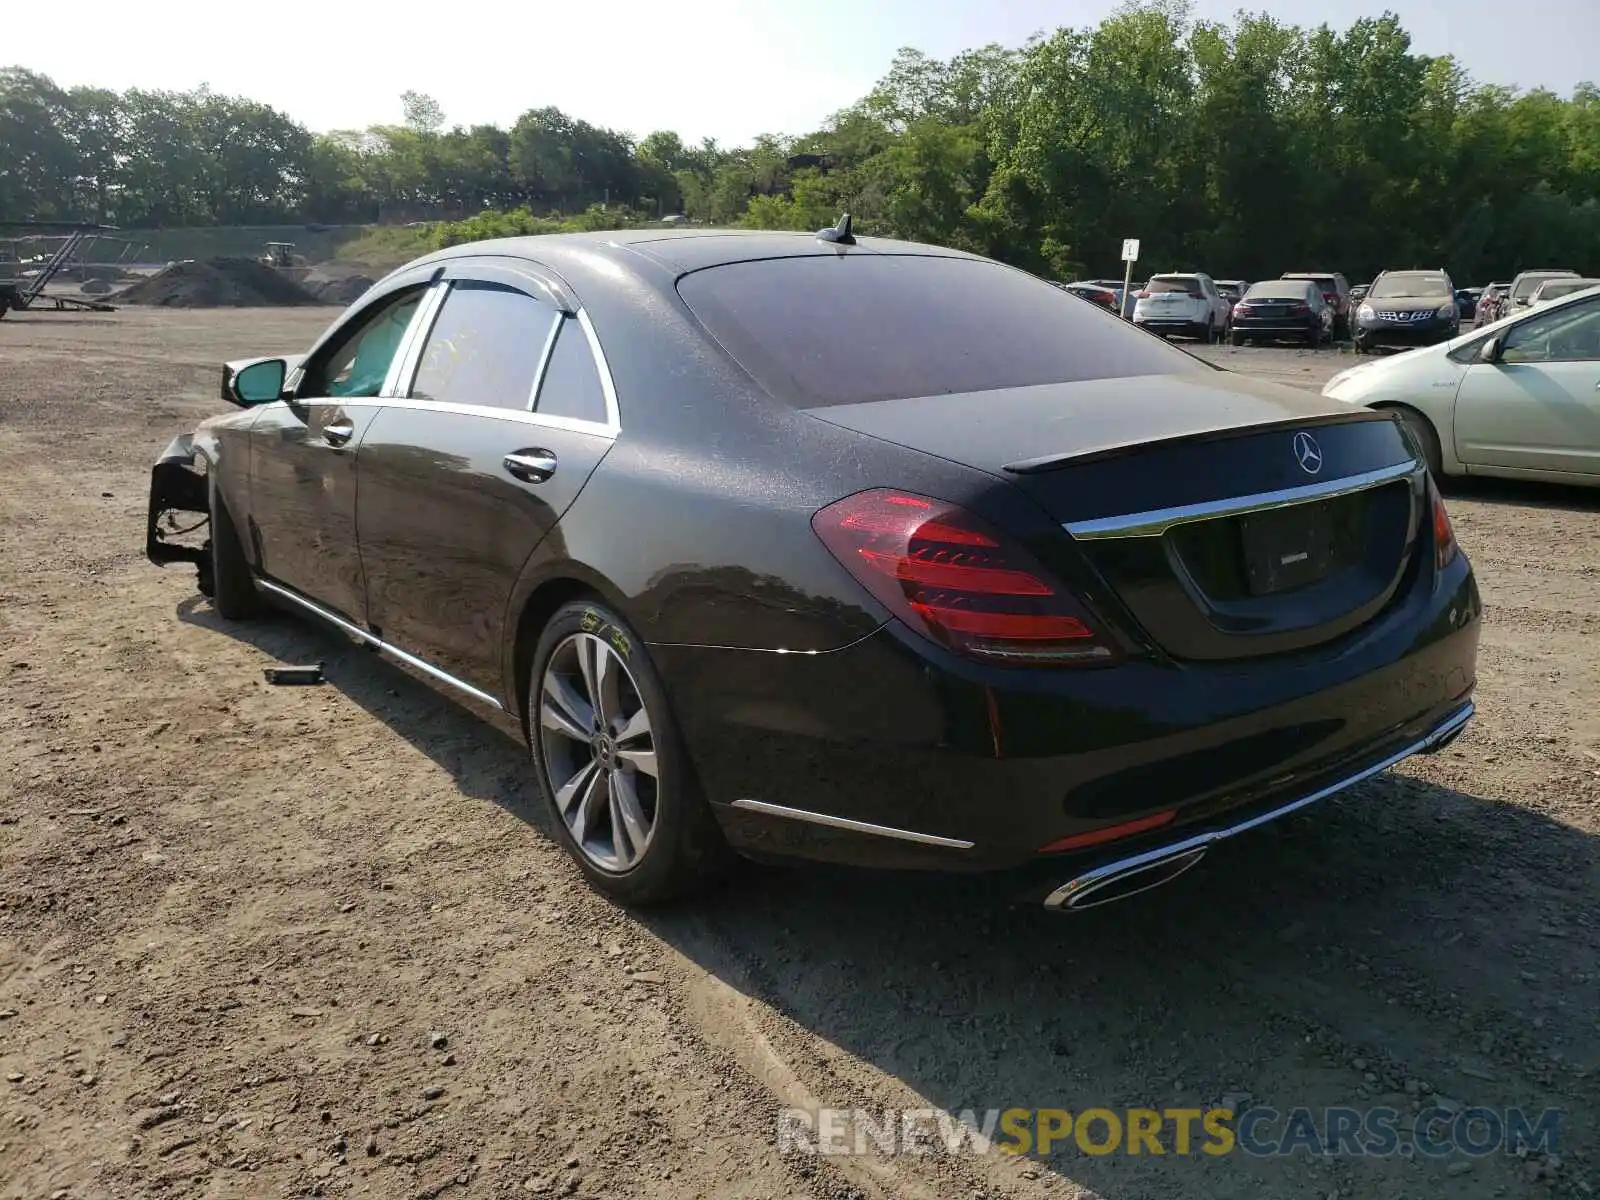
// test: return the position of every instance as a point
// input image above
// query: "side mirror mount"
(253, 382)
(1490, 352)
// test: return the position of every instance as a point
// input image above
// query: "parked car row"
(1398, 309)
(1311, 307)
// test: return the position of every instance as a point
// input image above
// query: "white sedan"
(1518, 398)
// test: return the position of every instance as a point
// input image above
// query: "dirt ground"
(263, 941)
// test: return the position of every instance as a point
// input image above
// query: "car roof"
(679, 250)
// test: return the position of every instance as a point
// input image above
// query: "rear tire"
(1236, 338)
(233, 592)
(623, 796)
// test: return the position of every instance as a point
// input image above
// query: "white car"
(1554, 289)
(1518, 398)
(1182, 303)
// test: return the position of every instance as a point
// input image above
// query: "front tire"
(1422, 429)
(611, 764)
(225, 575)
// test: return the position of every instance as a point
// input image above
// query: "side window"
(359, 362)
(484, 347)
(1566, 335)
(571, 386)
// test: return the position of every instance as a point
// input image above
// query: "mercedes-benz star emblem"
(1307, 453)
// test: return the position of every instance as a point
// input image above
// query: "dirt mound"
(345, 290)
(218, 283)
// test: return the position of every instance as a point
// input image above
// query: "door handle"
(338, 433)
(530, 466)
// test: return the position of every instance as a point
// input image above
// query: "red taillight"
(1331, 297)
(1141, 295)
(959, 582)
(1444, 534)
(1299, 309)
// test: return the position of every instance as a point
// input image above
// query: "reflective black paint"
(791, 684)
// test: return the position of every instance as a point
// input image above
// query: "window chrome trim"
(544, 359)
(520, 416)
(607, 385)
(361, 635)
(403, 371)
(1155, 522)
(410, 358)
(888, 831)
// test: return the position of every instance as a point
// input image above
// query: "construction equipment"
(282, 256)
(19, 293)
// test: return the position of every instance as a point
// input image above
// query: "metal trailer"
(28, 294)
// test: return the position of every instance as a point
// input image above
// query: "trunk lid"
(1228, 517)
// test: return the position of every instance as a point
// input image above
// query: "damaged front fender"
(176, 487)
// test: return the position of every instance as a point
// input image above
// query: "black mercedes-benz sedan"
(841, 548)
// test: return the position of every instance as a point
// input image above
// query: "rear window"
(1172, 283)
(1411, 285)
(1326, 282)
(1280, 289)
(855, 328)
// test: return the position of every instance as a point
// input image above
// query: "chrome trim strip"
(607, 385)
(361, 635)
(403, 371)
(544, 359)
(800, 814)
(1061, 897)
(1156, 522)
(520, 416)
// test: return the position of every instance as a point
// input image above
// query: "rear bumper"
(890, 754)
(1164, 324)
(1275, 326)
(1081, 890)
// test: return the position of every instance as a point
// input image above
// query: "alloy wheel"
(599, 751)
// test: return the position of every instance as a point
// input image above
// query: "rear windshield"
(853, 328)
(1411, 285)
(1172, 283)
(1228, 289)
(1280, 289)
(1326, 282)
(1528, 283)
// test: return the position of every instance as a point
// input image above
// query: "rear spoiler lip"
(1052, 462)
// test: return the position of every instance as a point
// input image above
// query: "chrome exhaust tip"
(1130, 876)
(1122, 880)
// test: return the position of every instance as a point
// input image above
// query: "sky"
(728, 69)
